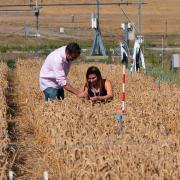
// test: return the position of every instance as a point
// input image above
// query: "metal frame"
(36, 9)
(98, 45)
(67, 4)
(36, 5)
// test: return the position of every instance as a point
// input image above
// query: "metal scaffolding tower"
(35, 9)
(98, 45)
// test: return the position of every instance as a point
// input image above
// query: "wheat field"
(3, 122)
(75, 140)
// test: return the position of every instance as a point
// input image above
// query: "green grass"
(157, 70)
(150, 43)
(3, 49)
(45, 44)
(30, 47)
(11, 63)
(164, 74)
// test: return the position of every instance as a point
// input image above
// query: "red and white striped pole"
(121, 117)
(123, 97)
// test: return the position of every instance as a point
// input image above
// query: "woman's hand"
(95, 98)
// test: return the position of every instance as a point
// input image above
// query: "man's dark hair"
(73, 48)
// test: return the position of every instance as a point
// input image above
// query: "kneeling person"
(97, 88)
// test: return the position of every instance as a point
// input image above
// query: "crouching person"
(54, 71)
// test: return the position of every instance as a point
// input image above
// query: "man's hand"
(79, 94)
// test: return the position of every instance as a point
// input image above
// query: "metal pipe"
(66, 4)
(97, 12)
(139, 15)
(18, 11)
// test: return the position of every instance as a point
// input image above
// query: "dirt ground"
(158, 18)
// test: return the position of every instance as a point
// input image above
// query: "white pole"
(45, 174)
(162, 51)
(36, 4)
(10, 175)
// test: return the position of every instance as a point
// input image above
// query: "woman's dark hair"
(96, 71)
(73, 48)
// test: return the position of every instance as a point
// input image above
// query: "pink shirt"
(54, 70)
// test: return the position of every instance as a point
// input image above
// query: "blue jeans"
(53, 93)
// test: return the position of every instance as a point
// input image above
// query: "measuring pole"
(162, 51)
(120, 117)
(123, 98)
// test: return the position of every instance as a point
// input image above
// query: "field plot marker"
(158, 81)
(110, 67)
(120, 117)
(45, 174)
(10, 175)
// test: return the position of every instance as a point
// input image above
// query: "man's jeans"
(53, 93)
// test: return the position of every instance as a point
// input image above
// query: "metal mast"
(98, 46)
(139, 16)
(37, 17)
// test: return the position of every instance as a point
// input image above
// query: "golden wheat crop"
(74, 140)
(3, 123)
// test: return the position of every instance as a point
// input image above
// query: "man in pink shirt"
(53, 74)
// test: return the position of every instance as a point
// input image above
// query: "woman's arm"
(86, 91)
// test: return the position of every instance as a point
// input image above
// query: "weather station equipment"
(175, 61)
(128, 32)
(98, 48)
